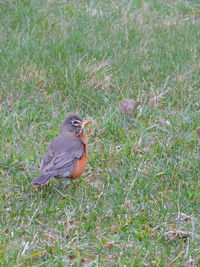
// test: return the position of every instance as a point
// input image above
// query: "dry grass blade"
(156, 98)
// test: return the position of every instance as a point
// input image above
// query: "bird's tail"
(43, 179)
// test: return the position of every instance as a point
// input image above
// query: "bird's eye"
(76, 122)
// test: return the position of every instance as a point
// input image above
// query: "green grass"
(138, 202)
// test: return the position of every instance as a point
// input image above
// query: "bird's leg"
(74, 183)
(65, 181)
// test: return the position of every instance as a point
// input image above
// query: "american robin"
(67, 155)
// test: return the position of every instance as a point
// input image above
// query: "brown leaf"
(128, 106)
(108, 245)
(151, 234)
(85, 261)
(72, 257)
(114, 228)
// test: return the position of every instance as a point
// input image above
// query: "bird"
(67, 155)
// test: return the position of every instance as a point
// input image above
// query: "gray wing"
(62, 155)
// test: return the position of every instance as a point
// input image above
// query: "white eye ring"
(76, 122)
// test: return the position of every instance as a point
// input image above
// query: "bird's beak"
(86, 123)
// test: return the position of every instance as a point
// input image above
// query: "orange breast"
(81, 163)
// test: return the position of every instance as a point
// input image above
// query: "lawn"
(138, 202)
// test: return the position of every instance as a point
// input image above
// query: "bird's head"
(74, 123)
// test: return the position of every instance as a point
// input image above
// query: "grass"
(138, 202)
